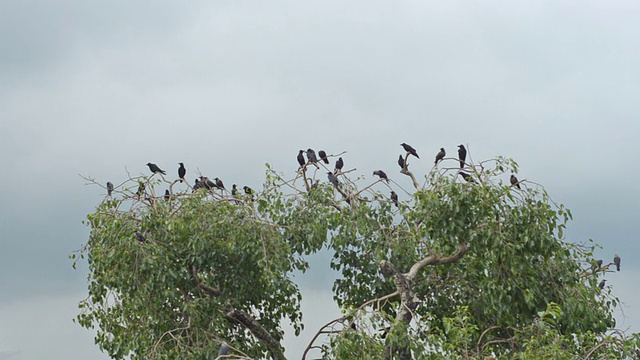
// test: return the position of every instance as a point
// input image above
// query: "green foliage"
(519, 291)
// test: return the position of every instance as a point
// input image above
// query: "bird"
(394, 198)
(219, 184)
(514, 181)
(462, 155)
(601, 285)
(181, 172)
(197, 185)
(440, 155)
(141, 189)
(339, 165)
(616, 260)
(467, 177)
(109, 188)
(301, 160)
(323, 156)
(315, 184)
(234, 189)
(139, 236)
(333, 179)
(599, 262)
(155, 169)
(224, 349)
(248, 190)
(403, 165)
(410, 150)
(311, 156)
(167, 195)
(381, 174)
(206, 183)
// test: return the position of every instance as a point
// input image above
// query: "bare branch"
(436, 260)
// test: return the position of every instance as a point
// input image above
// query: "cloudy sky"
(93, 88)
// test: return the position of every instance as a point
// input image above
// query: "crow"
(339, 165)
(140, 237)
(394, 198)
(616, 260)
(219, 184)
(206, 183)
(599, 262)
(109, 188)
(155, 169)
(197, 185)
(248, 190)
(514, 181)
(601, 285)
(323, 156)
(462, 155)
(440, 155)
(141, 189)
(410, 150)
(381, 174)
(402, 164)
(224, 349)
(301, 160)
(311, 155)
(167, 195)
(467, 177)
(234, 189)
(333, 179)
(181, 172)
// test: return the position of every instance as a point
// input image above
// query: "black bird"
(141, 189)
(462, 155)
(139, 236)
(467, 177)
(381, 174)
(601, 285)
(155, 169)
(206, 183)
(410, 150)
(339, 165)
(599, 262)
(198, 185)
(167, 195)
(333, 179)
(301, 160)
(181, 172)
(109, 188)
(323, 156)
(219, 184)
(394, 198)
(224, 349)
(616, 260)
(311, 155)
(514, 181)
(248, 190)
(234, 190)
(440, 155)
(402, 164)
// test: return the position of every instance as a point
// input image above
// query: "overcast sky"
(93, 87)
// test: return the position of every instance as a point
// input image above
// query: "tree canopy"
(473, 267)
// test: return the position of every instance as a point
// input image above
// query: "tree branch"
(276, 350)
(206, 288)
(436, 260)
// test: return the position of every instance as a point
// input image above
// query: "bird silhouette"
(155, 169)
(394, 198)
(402, 164)
(301, 160)
(381, 174)
(599, 262)
(139, 236)
(109, 188)
(467, 177)
(410, 150)
(323, 156)
(339, 165)
(224, 349)
(616, 260)
(440, 155)
(333, 179)
(514, 181)
(462, 155)
(234, 189)
(167, 194)
(311, 156)
(181, 172)
(219, 184)
(601, 285)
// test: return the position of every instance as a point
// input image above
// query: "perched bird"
(601, 285)
(323, 156)
(333, 179)
(301, 160)
(224, 349)
(514, 181)
(339, 165)
(599, 262)
(109, 188)
(167, 195)
(381, 174)
(155, 169)
(141, 189)
(440, 155)
(219, 184)
(139, 236)
(467, 177)
(410, 150)
(206, 183)
(311, 156)
(462, 155)
(248, 190)
(198, 185)
(181, 172)
(616, 260)
(394, 198)
(234, 189)
(402, 164)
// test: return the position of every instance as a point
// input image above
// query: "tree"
(462, 269)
